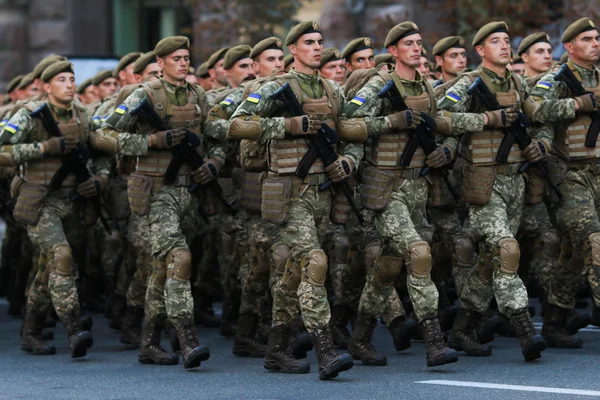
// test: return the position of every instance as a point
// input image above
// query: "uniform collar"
(495, 78)
(169, 87)
(310, 79)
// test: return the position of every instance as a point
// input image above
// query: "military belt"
(592, 166)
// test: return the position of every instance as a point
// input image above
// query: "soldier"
(107, 86)
(451, 56)
(27, 87)
(204, 79)
(384, 58)
(191, 76)
(536, 52)
(14, 95)
(87, 92)
(359, 54)
(124, 71)
(146, 68)
(333, 66)
(304, 215)
(517, 66)
(214, 65)
(39, 69)
(289, 62)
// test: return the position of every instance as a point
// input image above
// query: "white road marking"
(521, 388)
(590, 329)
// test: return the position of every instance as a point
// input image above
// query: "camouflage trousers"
(398, 225)
(207, 268)
(304, 230)
(137, 259)
(498, 219)
(336, 246)
(233, 257)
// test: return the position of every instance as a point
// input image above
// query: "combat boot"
(576, 321)
(446, 310)
(402, 329)
(338, 324)
(487, 327)
(193, 353)
(554, 331)
(279, 356)
(79, 340)
(300, 342)
(463, 338)
(331, 363)
(245, 343)
(151, 352)
(31, 340)
(119, 305)
(131, 327)
(435, 348)
(595, 314)
(532, 344)
(361, 347)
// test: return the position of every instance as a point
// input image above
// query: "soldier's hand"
(59, 145)
(586, 102)
(441, 156)
(536, 150)
(501, 118)
(340, 169)
(303, 125)
(207, 171)
(407, 119)
(93, 186)
(167, 139)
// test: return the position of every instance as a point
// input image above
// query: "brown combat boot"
(193, 353)
(79, 340)
(554, 330)
(279, 356)
(435, 348)
(331, 363)
(361, 347)
(462, 336)
(402, 329)
(245, 343)
(131, 327)
(31, 340)
(151, 352)
(338, 324)
(532, 344)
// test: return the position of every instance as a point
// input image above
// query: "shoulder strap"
(333, 97)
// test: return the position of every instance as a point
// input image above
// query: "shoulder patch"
(3, 123)
(226, 102)
(543, 85)
(254, 98)
(359, 101)
(122, 109)
(453, 97)
(11, 128)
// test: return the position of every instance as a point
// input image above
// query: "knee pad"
(340, 245)
(509, 255)
(464, 251)
(550, 245)
(279, 256)
(371, 252)
(389, 268)
(594, 240)
(63, 259)
(181, 259)
(419, 255)
(316, 267)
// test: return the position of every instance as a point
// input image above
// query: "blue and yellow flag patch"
(122, 109)
(103, 118)
(96, 119)
(359, 101)
(11, 128)
(254, 98)
(226, 102)
(3, 123)
(453, 97)
(543, 85)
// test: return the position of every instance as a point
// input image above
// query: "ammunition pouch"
(439, 194)
(251, 191)
(275, 204)
(535, 187)
(477, 184)
(340, 208)
(139, 189)
(376, 188)
(29, 203)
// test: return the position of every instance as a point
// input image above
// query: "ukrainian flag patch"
(226, 102)
(3, 123)
(11, 128)
(254, 98)
(96, 119)
(122, 109)
(359, 101)
(103, 118)
(543, 85)
(453, 97)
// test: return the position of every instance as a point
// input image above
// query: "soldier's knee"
(464, 251)
(279, 256)
(371, 252)
(181, 264)
(419, 259)
(594, 243)
(340, 247)
(315, 265)
(550, 245)
(509, 255)
(63, 259)
(389, 268)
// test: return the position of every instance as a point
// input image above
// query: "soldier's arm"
(455, 104)
(553, 100)
(363, 111)
(217, 121)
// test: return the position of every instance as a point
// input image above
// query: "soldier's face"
(175, 65)
(240, 72)
(127, 76)
(220, 73)
(518, 68)
(268, 62)
(538, 58)
(585, 47)
(89, 95)
(152, 71)
(205, 83)
(335, 70)
(61, 88)
(496, 49)
(453, 60)
(30, 91)
(408, 50)
(307, 50)
(363, 59)
(107, 88)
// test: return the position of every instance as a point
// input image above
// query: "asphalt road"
(110, 371)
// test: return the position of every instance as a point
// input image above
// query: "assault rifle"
(517, 132)
(183, 153)
(73, 163)
(565, 74)
(321, 146)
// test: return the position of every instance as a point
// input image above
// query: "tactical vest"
(40, 172)
(285, 154)
(189, 116)
(385, 150)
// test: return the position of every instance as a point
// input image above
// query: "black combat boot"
(119, 304)
(338, 323)
(331, 363)
(576, 321)
(193, 353)
(402, 329)
(446, 310)
(532, 344)
(245, 343)
(31, 340)
(554, 330)
(151, 352)
(463, 338)
(487, 327)
(435, 348)
(300, 342)
(279, 356)
(79, 340)
(361, 347)
(131, 327)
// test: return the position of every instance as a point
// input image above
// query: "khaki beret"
(531, 40)
(328, 55)
(191, 70)
(516, 59)
(14, 83)
(488, 29)
(581, 25)
(302, 28)
(564, 58)
(272, 43)
(236, 54)
(448, 43)
(42, 65)
(102, 76)
(26, 81)
(143, 61)
(400, 31)
(125, 61)
(355, 46)
(287, 60)
(170, 44)
(84, 85)
(384, 58)
(55, 69)
(215, 57)
(202, 70)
